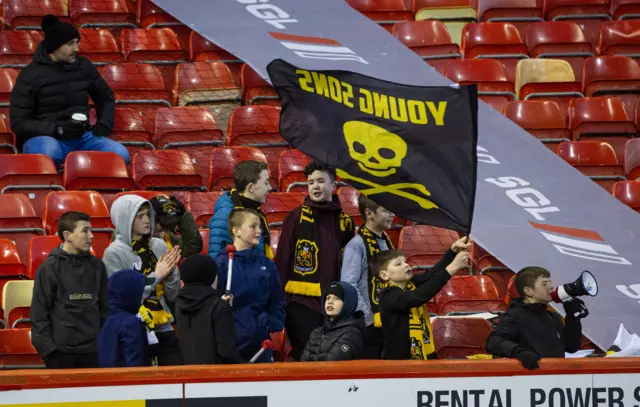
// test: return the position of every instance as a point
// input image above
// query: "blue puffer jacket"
(123, 339)
(218, 230)
(258, 300)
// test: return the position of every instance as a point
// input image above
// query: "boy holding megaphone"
(530, 330)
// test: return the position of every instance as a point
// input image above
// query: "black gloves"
(575, 309)
(68, 130)
(180, 209)
(527, 357)
(100, 131)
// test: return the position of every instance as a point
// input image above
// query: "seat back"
(430, 39)
(632, 159)
(613, 75)
(542, 118)
(18, 214)
(425, 243)
(99, 45)
(548, 77)
(136, 84)
(201, 205)
(480, 39)
(460, 337)
(620, 38)
(16, 294)
(186, 127)
(255, 90)
(8, 77)
(291, 164)
(10, 265)
(18, 47)
(96, 170)
(628, 192)
(384, 12)
(205, 82)
(280, 204)
(468, 288)
(595, 159)
(91, 13)
(166, 169)
(152, 45)
(27, 14)
(201, 49)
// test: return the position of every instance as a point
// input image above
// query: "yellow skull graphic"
(378, 151)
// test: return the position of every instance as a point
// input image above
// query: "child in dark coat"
(342, 334)
(123, 339)
(258, 302)
(205, 321)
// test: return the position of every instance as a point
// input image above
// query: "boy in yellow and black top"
(310, 252)
(405, 322)
(172, 216)
(135, 248)
(370, 240)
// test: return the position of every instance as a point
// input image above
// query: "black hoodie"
(537, 328)
(341, 338)
(47, 92)
(205, 325)
(70, 303)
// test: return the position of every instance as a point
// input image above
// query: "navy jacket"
(123, 339)
(258, 301)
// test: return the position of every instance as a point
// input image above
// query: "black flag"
(410, 149)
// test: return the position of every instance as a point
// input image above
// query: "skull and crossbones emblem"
(380, 153)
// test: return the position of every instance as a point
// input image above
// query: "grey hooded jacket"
(120, 256)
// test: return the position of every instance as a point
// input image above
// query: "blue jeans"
(58, 149)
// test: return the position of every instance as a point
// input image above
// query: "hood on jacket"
(123, 214)
(194, 297)
(126, 288)
(350, 301)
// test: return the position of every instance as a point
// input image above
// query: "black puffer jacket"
(340, 338)
(47, 92)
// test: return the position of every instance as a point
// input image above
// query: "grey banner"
(531, 207)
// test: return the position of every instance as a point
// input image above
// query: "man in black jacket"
(70, 299)
(205, 321)
(53, 88)
(529, 330)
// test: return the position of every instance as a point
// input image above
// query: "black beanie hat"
(198, 269)
(57, 33)
(335, 289)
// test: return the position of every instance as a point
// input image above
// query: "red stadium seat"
(620, 38)
(17, 351)
(151, 16)
(224, 159)
(32, 174)
(588, 14)
(186, 128)
(628, 192)
(384, 12)
(429, 39)
(601, 119)
(255, 90)
(27, 14)
(19, 221)
(625, 9)
(7, 138)
(137, 84)
(542, 118)
(18, 47)
(201, 204)
(39, 249)
(595, 159)
(460, 337)
(349, 201)
(209, 84)
(469, 294)
(133, 128)
(89, 202)
(204, 235)
(279, 205)
(520, 13)
(559, 40)
(101, 13)
(613, 75)
(632, 159)
(152, 45)
(165, 170)
(512, 292)
(8, 77)
(495, 40)
(291, 165)
(201, 49)
(424, 245)
(99, 45)
(494, 87)
(258, 126)
(11, 268)
(94, 170)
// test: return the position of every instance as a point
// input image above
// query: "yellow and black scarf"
(375, 285)
(240, 201)
(307, 256)
(149, 260)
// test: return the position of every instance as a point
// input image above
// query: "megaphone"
(586, 284)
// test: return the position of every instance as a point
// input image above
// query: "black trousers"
(62, 360)
(299, 323)
(167, 350)
(373, 343)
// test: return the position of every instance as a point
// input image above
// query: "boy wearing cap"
(54, 87)
(529, 330)
(172, 215)
(341, 335)
(205, 321)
